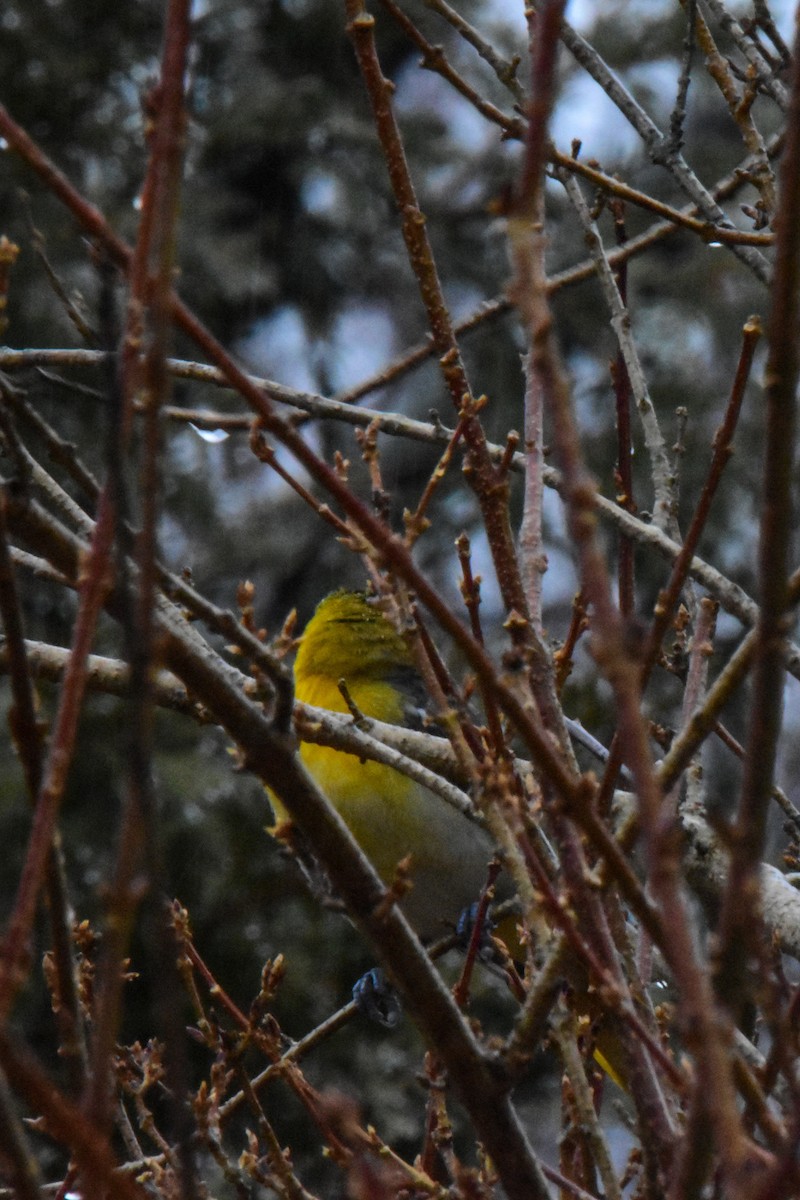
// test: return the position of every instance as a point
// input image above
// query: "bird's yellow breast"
(392, 816)
(387, 813)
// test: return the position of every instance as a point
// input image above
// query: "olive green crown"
(349, 637)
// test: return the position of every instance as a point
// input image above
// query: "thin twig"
(92, 594)
(763, 71)
(677, 121)
(66, 1123)
(662, 472)
(566, 1037)
(506, 71)
(533, 559)
(740, 107)
(657, 144)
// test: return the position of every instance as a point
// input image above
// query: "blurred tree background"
(290, 249)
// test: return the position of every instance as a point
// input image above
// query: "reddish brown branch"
(67, 1124)
(144, 376)
(93, 589)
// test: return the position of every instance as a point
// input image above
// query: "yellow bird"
(390, 815)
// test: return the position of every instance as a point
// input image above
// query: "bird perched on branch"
(349, 646)
(391, 816)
